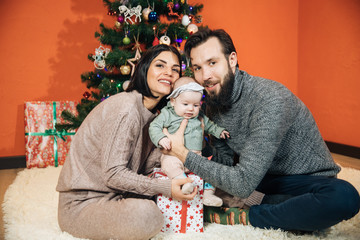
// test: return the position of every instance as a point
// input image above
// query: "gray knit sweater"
(272, 132)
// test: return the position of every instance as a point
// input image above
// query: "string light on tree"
(156, 39)
(177, 6)
(113, 68)
(87, 95)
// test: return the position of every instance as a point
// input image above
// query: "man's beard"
(221, 102)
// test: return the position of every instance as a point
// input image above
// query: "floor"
(7, 176)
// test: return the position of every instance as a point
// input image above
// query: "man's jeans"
(310, 203)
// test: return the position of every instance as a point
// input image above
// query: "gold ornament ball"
(117, 24)
(125, 69)
(145, 13)
(192, 28)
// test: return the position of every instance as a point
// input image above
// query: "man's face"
(211, 66)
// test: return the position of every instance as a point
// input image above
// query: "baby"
(185, 102)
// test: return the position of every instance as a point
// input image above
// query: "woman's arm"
(121, 158)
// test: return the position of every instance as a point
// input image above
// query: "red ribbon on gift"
(183, 213)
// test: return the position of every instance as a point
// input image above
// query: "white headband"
(194, 87)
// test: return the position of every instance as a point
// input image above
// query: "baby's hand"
(165, 143)
(225, 134)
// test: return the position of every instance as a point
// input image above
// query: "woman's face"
(164, 70)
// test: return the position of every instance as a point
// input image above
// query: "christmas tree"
(138, 25)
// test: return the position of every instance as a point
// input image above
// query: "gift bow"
(59, 134)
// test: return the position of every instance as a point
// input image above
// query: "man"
(277, 143)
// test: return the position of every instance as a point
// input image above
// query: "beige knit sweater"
(112, 152)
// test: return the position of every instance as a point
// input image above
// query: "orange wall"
(44, 48)
(329, 66)
(264, 33)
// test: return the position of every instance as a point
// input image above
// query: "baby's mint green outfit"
(193, 135)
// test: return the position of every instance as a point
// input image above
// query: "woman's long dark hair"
(138, 81)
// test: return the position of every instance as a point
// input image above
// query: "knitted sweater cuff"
(163, 186)
(255, 198)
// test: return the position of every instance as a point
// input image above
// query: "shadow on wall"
(73, 46)
(75, 41)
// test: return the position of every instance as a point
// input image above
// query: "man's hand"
(176, 192)
(177, 142)
(165, 143)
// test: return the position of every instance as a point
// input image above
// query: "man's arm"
(257, 149)
(256, 156)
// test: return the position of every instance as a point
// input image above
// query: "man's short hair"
(204, 34)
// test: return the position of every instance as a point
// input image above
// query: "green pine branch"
(108, 81)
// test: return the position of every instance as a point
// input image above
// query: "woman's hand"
(177, 142)
(176, 192)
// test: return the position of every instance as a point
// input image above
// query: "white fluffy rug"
(30, 213)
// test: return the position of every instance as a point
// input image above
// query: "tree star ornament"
(137, 44)
(134, 59)
(99, 57)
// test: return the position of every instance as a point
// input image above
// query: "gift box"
(44, 146)
(182, 216)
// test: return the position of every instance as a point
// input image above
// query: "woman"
(104, 189)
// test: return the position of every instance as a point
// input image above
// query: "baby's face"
(187, 104)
